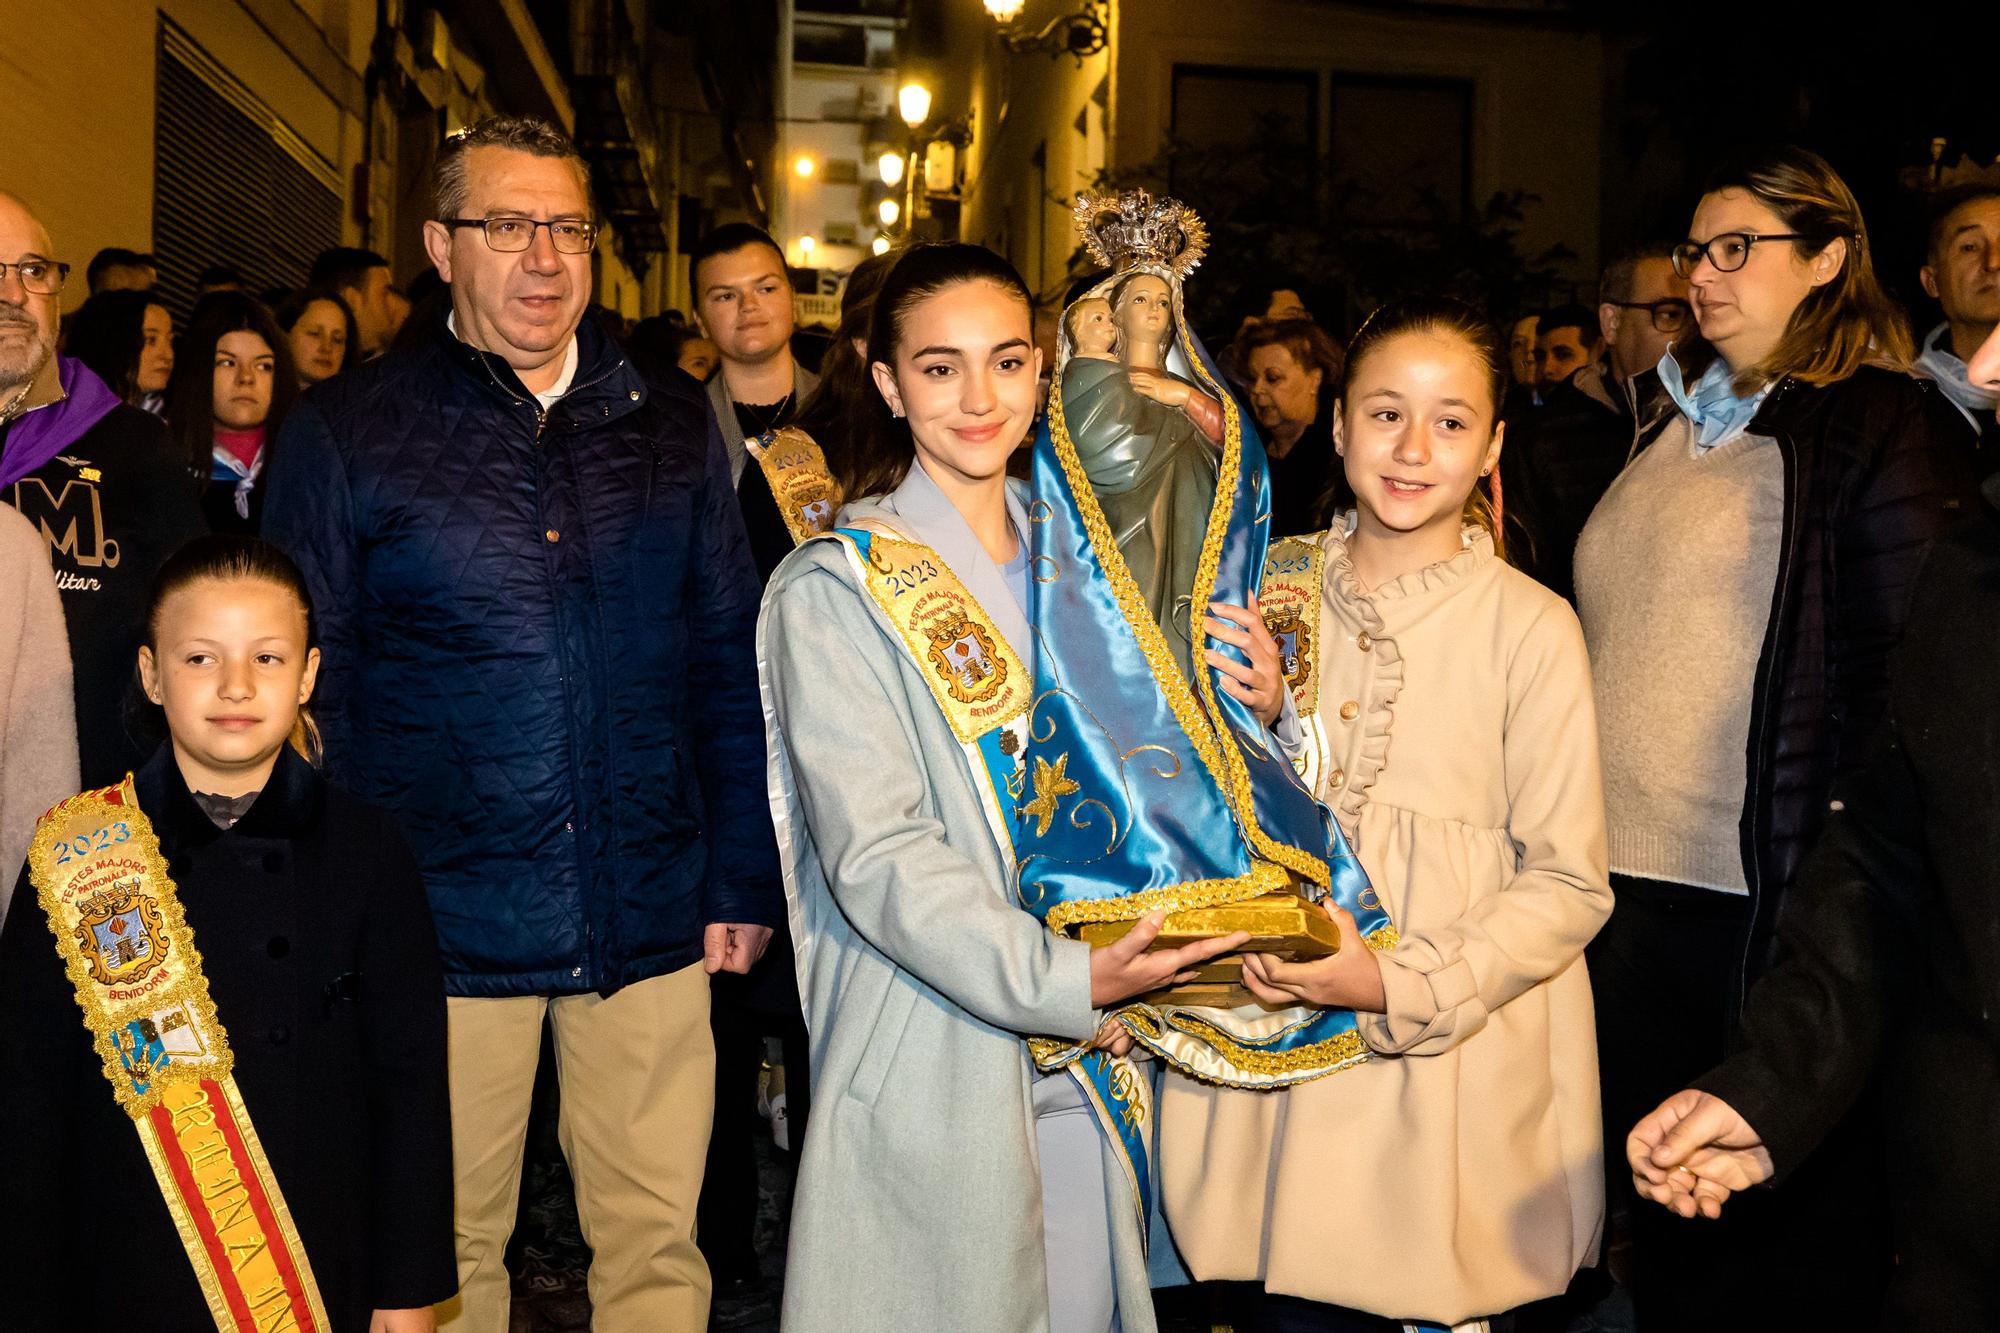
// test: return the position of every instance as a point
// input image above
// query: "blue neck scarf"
(1941, 364)
(1712, 406)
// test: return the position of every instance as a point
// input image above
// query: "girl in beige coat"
(1457, 1174)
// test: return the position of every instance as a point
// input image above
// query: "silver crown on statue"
(1130, 230)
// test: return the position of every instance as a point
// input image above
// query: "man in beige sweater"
(37, 711)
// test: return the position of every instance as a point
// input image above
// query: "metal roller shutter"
(232, 182)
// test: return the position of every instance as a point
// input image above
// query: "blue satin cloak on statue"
(1147, 789)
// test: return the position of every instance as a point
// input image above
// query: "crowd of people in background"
(525, 543)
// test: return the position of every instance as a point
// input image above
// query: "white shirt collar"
(553, 394)
(549, 396)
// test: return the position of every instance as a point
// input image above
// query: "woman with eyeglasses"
(1740, 585)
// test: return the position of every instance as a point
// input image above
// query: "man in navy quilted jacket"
(536, 607)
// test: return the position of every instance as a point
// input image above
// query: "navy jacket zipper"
(588, 973)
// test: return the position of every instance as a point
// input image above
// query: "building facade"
(837, 94)
(1452, 102)
(256, 133)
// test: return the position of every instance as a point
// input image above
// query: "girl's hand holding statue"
(1124, 968)
(1260, 683)
(1350, 979)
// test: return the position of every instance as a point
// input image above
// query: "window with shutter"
(232, 182)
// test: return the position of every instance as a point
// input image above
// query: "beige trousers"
(637, 1072)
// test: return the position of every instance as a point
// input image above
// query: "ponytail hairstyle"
(227, 559)
(1447, 318)
(883, 448)
(1850, 321)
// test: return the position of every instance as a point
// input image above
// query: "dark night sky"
(1866, 92)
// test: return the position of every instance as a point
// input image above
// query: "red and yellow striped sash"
(126, 946)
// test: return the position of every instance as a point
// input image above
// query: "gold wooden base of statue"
(1281, 923)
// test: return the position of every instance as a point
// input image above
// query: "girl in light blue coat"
(944, 1183)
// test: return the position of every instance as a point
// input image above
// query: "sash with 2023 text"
(126, 946)
(984, 690)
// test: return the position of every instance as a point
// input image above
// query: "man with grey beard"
(96, 478)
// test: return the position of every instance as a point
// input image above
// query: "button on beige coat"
(1458, 1173)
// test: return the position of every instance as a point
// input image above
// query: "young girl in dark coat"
(312, 929)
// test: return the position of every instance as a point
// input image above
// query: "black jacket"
(218, 507)
(1873, 471)
(1558, 461)
(113, 505)
(1982, 438)
(311, 923)
(1300, 480)
(537, 630)
(770, 541)
(1888, 954)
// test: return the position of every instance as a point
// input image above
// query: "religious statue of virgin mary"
(1145, 786)
(1149, 438)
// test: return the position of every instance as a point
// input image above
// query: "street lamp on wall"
(913, 103)
(1082, 33)
(926, 136)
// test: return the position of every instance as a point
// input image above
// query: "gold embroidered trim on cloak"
(1264, 877)
(1150, 1028)
(1321, 1057)
(1298, 859)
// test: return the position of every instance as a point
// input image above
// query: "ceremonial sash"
(985, 691)
(127, 948)
(795, 467)
(1294, 571)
